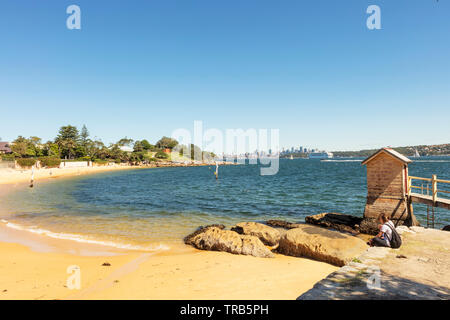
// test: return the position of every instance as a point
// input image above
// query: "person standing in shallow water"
(384, 237)
(32, 177)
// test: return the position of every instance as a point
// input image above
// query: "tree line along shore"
(70, 144)
(409, 151)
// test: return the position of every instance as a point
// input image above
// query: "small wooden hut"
(387, 183)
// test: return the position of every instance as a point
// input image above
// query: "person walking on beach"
(384, 237)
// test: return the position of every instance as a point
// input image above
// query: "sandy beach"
(14, 176)
(35, 266)
(28, 274)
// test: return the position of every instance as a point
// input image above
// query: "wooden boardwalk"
(428, 200)
(429, 195)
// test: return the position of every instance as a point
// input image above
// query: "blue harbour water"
(143, 208)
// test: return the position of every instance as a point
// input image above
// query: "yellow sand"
(35, 267)
(26, 274)
(13, 176)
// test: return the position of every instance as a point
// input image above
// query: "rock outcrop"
(201, 229)
(321, 244)
(337, 221)
(283, 224)
(268, 235)
(216, 239)
(369, 226)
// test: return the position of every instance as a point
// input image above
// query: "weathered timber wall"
(385, 177)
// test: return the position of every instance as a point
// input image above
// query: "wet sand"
(192, 274)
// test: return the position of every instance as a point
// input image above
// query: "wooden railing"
(434, 186)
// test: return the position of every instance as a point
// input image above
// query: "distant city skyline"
(313, 70)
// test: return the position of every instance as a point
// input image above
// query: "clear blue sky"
(310, 68)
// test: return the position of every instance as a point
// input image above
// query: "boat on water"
(291, 157)
(320, 155)
(416, 154)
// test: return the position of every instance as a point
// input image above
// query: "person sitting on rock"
(382, 239)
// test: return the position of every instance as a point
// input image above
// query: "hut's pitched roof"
(390, 152)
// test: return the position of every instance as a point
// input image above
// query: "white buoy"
(217, 170)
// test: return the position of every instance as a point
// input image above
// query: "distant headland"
(410, 151)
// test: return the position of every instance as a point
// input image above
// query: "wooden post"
(434, 188)
(409, 186)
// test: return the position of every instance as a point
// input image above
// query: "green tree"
(116, 153)
(24, 147)
(68, 140)
(146, 145)
(21, 147)
(136, 156)
(93, 148)
(84, 136)
(103, 153)
(80, 151)
(138, 147)
(51, 149)
(36, 141)
(166, 142)
(36, 145)
(125, 142)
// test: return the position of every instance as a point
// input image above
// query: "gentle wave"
(83, 239)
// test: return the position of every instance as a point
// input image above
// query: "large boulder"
(321, 244)
(200, 230)
(337, 221)
(216, 239)
(268, 235)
